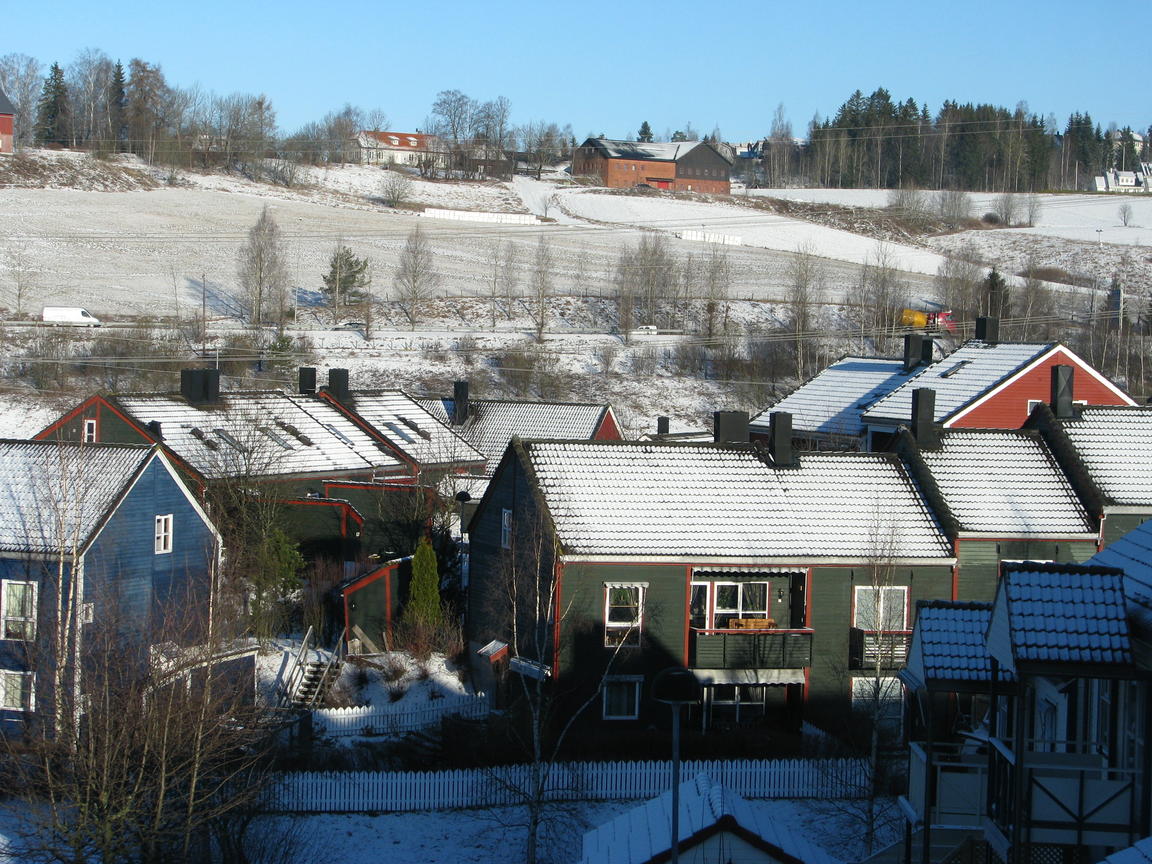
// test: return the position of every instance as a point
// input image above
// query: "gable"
(1006, 406)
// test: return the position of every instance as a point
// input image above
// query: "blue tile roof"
(951, 637)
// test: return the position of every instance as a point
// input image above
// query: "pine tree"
(346, 278)
(423, 609)
(645, 133)
(118, 107)
(996, 293)
(52, 111)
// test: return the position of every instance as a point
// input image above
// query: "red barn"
(685, 166)
(7, 113)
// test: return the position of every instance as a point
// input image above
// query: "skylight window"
(423, 433)
(400, 433)
(295, 433)
(339, 434)
(277, 437)
(948, 373)
(230, 439)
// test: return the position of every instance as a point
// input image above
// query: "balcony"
(947, 790)
(1070, 796)
(750, 649)
(866, 647)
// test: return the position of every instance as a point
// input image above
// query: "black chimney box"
(924, 417)
(211, 380)
(338, 384)
(460, 406)
(307, 380)
(156, 429)
(662, 425)
(926, 351)
(192, 385)
(730, 427)
(1062, 380)
(780, 438)
(988, 330)
(913, 350)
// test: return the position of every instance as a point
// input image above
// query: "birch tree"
(263, 269)
(416, 279)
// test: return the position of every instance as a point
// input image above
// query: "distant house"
(396, 148)
(369, 605)
(100, 537)
(7, 132)
(715, 824)
(688, 166)
(988, 384)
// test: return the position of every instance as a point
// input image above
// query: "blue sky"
(605, 67)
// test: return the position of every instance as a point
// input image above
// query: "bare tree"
(1032, 207)
(1034, 306)
(416, 278)
(542, 285)
(958, 282)
(396, 187)
(717, 285)
(805, 283)
(22, 273)
(954, 207)
(263, 269)
(21, 78)
(89, 79)
(1125, 213)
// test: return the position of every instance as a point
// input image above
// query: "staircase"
(307, 677)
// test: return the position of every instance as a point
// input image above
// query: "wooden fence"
(371, 791)
(396, 718)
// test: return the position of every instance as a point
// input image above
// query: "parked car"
(72, 316)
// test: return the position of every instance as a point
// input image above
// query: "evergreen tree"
(645, 133)
(423, 609)
(996, 294)
(346, 278)
(118, 107)
(52, 111)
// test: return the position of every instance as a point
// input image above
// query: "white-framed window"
(880, 700)
(163, 534)
(738, 600)
(623, 613)
(89, 430)
(18, 609)
(505, 528)
(880, 609)
(16, 690)
(621, 697)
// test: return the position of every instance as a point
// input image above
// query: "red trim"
(370, 430)
(385, 573)
(687, 615)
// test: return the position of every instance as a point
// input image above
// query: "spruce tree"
(645, 133)
(346, 278)
(996, 294)
(423, 609)
(118, 107)
(52, 111)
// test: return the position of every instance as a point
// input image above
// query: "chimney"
(926, 356)
(338, 384)
(211, 384)
(192, 385)
(988, 330)
(913, 350)
(1062, 376)
(156, 429)
(460, 404)
(662, 425)
(307, 380)
(924, 417)
(780, 438)
(730, 427)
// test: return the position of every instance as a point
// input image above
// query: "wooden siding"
(1008, 408)
(1116, 525)
(979, 561)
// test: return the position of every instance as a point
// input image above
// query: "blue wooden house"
(96, 541)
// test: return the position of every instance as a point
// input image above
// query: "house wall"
(6, 134)
(15, 655)
(1008, 408)
(608, 430)
(703, 170)
(979, 561)
(372, 605)
(1116, 525)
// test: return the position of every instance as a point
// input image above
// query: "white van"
(646, 330)
(73, 316)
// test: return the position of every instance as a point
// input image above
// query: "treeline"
(876, 142)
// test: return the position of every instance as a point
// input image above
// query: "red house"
(7, 112)
(684, 166)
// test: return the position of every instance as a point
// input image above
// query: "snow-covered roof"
(1115, 444)
(666, 499)
(948, 642)
(833, 402)
(411, 428)
(492, 423)
(5, 104)
(1005, 482)
(397, 140)
(259, 434)
(959, 379)
(643, 833)
(54, 495)
(1139, 852)
(658, 151)
(1062, 613)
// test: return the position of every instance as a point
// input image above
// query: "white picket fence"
(396, 718)
(371, 791)
(477, 216)
(711, 237)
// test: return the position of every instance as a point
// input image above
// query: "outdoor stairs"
(315, 682)
(949, 846)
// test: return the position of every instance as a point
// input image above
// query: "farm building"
(687, 166)
(7, 132)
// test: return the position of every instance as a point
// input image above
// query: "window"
(19, 609)
(505, 528)
(881, 608)
(879, 699)
(89, 430)
(621, 697)
(739, 600)
(163, 534)
(623, 614)
(16, 690)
